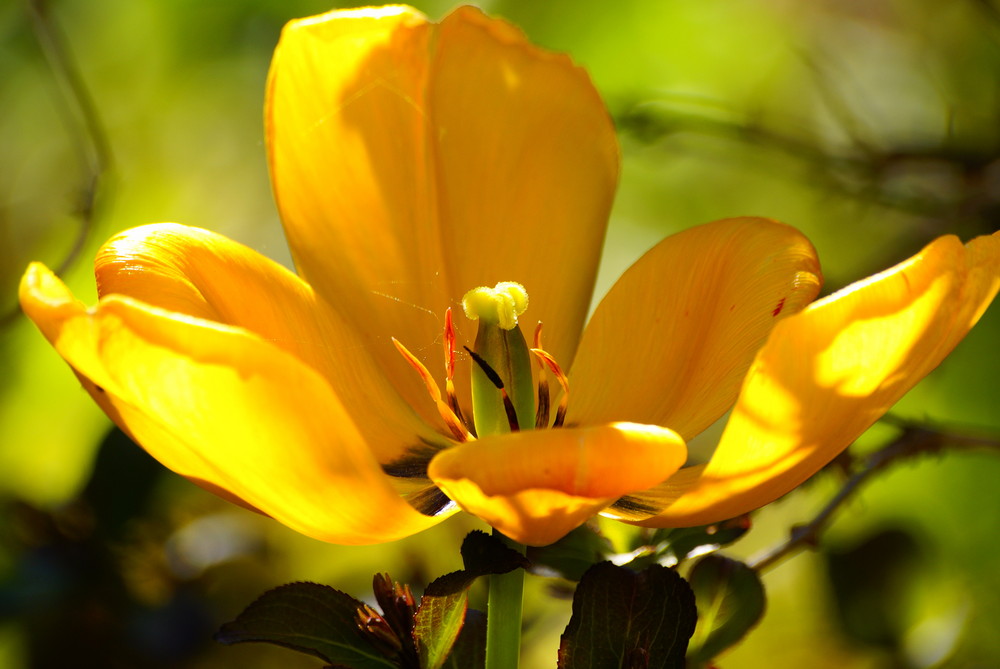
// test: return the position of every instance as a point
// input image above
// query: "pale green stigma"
(499, 305)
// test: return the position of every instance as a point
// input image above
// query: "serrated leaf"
(469, 652)
(730, 599)
(628, 620)
(484, 554)
(572, 555)
(437, 625)
(442, 610)
(308, 618)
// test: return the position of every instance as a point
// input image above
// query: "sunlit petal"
(205, 275)
(226, 409)
(346, 126)
(412, 162)
(529, 203)
(828, 373)
(644, 504)
(672, 340)
(537, 485)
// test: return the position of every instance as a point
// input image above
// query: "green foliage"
(310, 618)
(484, 554)
(585, 546)
(626, 619)
(469, 652)
(730, 599)
(443, 608)
(437, 625)
(329, 624)
(572, 555)
(874, 585)
(675, 545)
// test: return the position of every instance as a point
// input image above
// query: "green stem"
(503, 615)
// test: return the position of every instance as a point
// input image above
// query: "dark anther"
(430, 501)
(542, 412)
(413, 465)
(631, 504)
(490, 373)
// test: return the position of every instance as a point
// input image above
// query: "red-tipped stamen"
(425, 376)
(449, 368)
(453, 422)
(542, 412)
(553, 366)
(449, 345)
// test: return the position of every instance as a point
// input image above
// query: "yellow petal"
(207, 276)
(644, 504)
(672, 340)
(346, 123)
(828, 373)
(537, 485)
(412, 162)
(226, 409)
(527, 165)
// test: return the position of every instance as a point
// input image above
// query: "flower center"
(503, 392)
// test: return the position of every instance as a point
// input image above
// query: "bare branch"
(914, 441)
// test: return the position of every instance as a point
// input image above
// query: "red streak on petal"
(777, 309)
(449, 345)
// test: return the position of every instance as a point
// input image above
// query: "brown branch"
(914, 441)
(92, 143)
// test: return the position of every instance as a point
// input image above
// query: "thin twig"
(915, 440)
(91, 143)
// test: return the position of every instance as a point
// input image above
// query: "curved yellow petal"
(527, 165)
(644, 504)
(537, 485)
(204, 275)
(346, 129)
(226, 409)
(828, 373)
(672, 340)
(412, 162)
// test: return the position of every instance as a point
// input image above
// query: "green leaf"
(469, 652)
(873, 589)
(442, 610)
(484, 554)
(437, 625)
(572, 555)
(309, 618)
(674, 545)
(730, 598)
(628, 620)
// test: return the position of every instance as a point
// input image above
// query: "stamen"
(430, 501)
(556, 370)
(542, 412)
(453, 422)
(495, 379)
(449, 368)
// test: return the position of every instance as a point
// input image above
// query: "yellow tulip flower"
(411, 162)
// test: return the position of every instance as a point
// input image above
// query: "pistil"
(501, 348)
(503, 395)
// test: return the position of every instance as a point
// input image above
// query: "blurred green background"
(873, 125)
